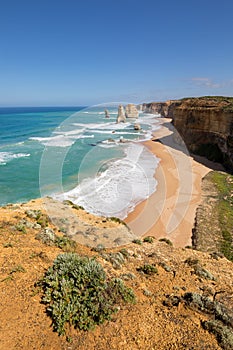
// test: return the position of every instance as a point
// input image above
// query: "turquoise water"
(78, 154)
(19, 156)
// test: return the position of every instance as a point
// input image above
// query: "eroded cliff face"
(131, 111)
(205, 124)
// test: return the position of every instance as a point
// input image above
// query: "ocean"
(75, 153)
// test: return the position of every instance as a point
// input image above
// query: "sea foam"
(119, 188)
(6, 157)
(63, 140)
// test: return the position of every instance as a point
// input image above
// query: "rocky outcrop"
(106, 113)
(140, 107)
(204, 123)
(163, 108)
(137, 126)
(121, 115)
(131, 111)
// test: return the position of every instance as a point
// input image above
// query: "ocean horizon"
(76, 153)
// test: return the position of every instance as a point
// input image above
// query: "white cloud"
(206, 82)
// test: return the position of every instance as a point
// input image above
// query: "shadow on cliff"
(175, 141)
(208, 163)
(172, 139)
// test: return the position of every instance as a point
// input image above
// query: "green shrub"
(18, 268)
(68, 202)
(198, 269)
(201, 272)
(148, 239)
(43, 221)
(8, 245)
(65, 243)
(99, 248)
(33, 214)
(192, 261)
(20, 227)
(114, 219)
(124, 252)
(165, 267)
(119, 291)
(220, 323)
(74, 206)
(166, 240)
(223, 334)
(77, 293)
(116, 259)
(48, 237)
(78, 207)
(137, 241)
(148, 269)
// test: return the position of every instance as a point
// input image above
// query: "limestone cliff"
(131, 111)
(205, 124)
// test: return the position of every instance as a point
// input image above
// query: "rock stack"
(131, 111)
(137, 126)
(106, 113)
(121, 115)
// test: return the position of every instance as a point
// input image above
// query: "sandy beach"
(170, 211)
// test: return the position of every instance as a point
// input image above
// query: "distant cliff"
(205, 124)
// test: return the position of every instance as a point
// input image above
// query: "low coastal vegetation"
(148, 269)
(48, 237)
(227, 102)
(199, 270)
(224, 102)
(137, 241)
(221, 317)
(166, 240)
(148, 239)
(224, 184)
(117, 220)
(77, 293)
(214, 221)
(128, 288)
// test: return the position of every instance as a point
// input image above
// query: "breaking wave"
(6, 157)
(120, 187)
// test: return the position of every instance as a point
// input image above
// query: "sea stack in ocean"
(131, 111)
(121, 115)
(137, 126)
(106, 113)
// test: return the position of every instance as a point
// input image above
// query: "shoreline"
(170, 211)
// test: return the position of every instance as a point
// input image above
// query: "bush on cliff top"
(77, 293)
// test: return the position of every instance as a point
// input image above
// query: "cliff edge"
(183, 296)
(204, 123)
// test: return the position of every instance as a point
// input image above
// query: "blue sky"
(72, 52)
